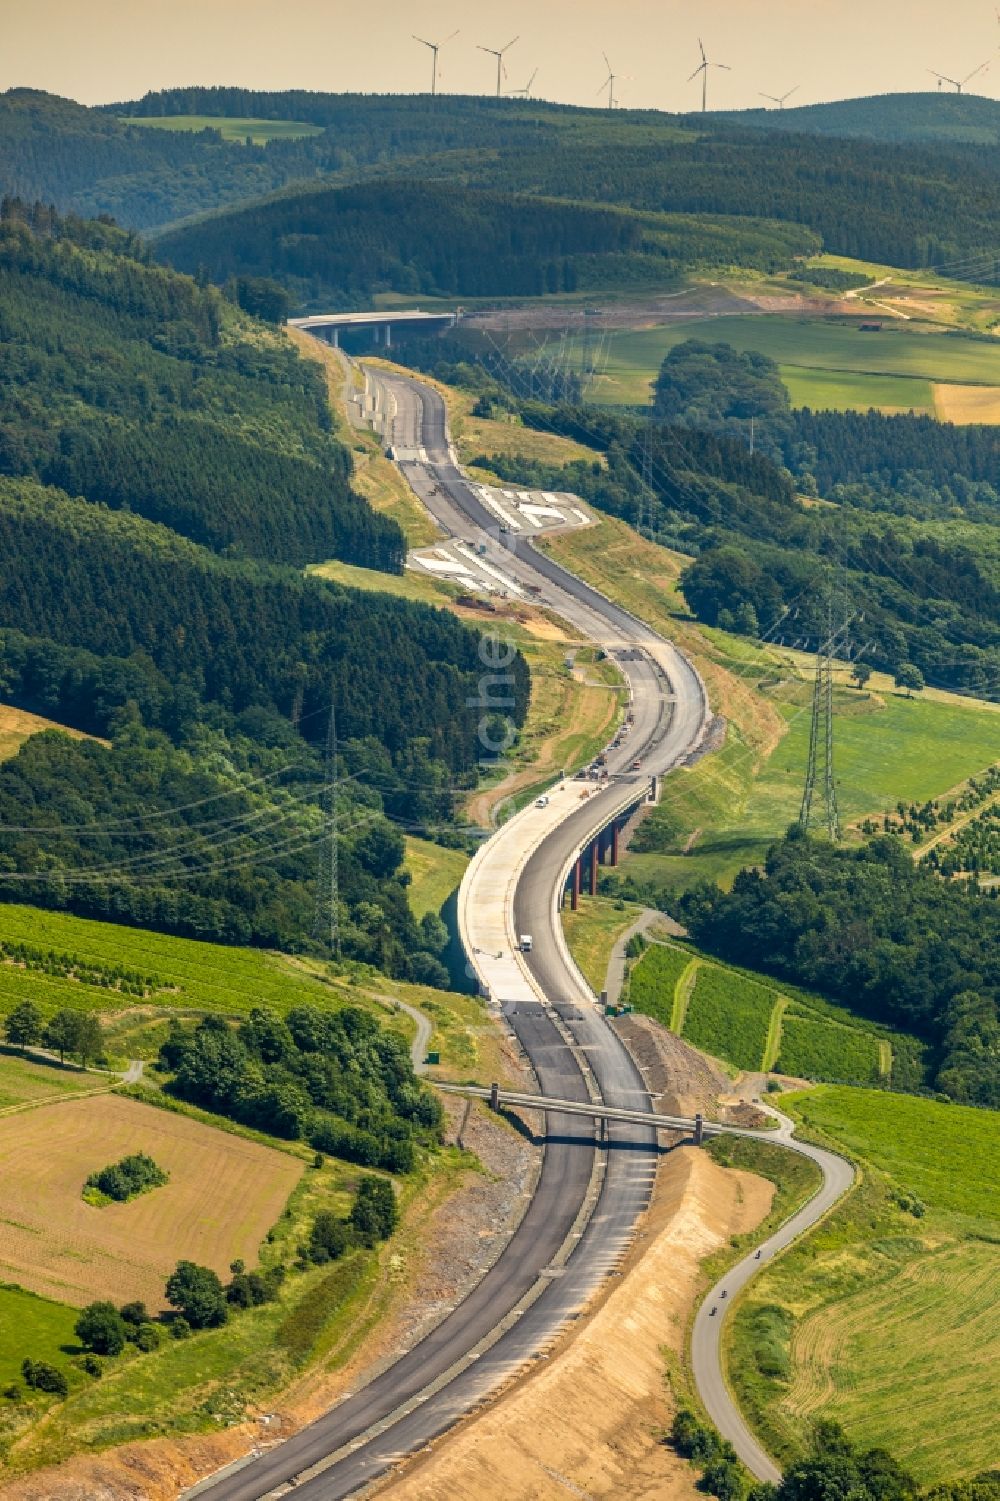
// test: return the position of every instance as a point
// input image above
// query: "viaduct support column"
(593, 868)
(575, 894)
(388, 335)
(614, 843)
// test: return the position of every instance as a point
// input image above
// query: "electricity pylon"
(326, 928)
(821, 786)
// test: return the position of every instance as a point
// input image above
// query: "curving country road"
(706, 1338)
(579, 1220)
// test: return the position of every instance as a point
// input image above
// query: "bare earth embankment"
(590, 1420)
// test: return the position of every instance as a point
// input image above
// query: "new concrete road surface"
(588, 1195)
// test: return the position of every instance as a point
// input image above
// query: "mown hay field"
(223, 1196)
(858, 1360)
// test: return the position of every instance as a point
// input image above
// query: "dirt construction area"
(224, 1194)
(589, 1420)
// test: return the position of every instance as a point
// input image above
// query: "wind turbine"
(703, 70)
(498, 54)
(609, 83)
(525, 93)
(435, 49)
(958, 84)
(779, 99)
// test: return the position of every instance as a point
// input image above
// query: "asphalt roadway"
(579, 1219)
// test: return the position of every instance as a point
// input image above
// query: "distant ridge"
(943, 118)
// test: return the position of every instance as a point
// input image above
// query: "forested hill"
(910, 204)
(930, 116)
(127, 384)
(137, 407)
(334, 245)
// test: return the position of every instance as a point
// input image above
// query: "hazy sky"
(99, 50)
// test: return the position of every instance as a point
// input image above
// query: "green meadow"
(824, 361)
(887, 747)
(231, 128)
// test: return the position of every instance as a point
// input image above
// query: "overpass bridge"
(381, 321)
(596, 1110)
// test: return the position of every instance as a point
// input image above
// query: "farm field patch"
(224, 1194)
(967, 403)
(817, 352)
(812, 1049)
(654, 980)
(17, 726)
(937, 1150)
(230, 127)
(729, 1016)
(946, 1304)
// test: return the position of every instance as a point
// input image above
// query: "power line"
(327, 924)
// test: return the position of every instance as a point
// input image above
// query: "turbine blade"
(421, 40)
(698, 70)
(452, 37)
(510, 43)
(702, 49)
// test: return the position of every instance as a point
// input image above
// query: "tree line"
(339, 1081)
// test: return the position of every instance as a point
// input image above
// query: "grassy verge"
(885, 1317)
(592, 932)
(435, 872)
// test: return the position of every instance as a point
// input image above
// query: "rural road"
(706, 1338)
(587, 1198)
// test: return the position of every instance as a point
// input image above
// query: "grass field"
(32, 1324)
(886, 1320)
(434, 874)
(887, 747)
(592, 932)
(231, 128)
(754, 1023)
(824, 361)
(25, 1081)
(224, 1194)
(17, 726)
(726, 809)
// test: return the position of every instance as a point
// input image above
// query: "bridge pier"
(699, 1130)
(574, 900)
(593, 868)
(614, 842)
(495, 1097)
